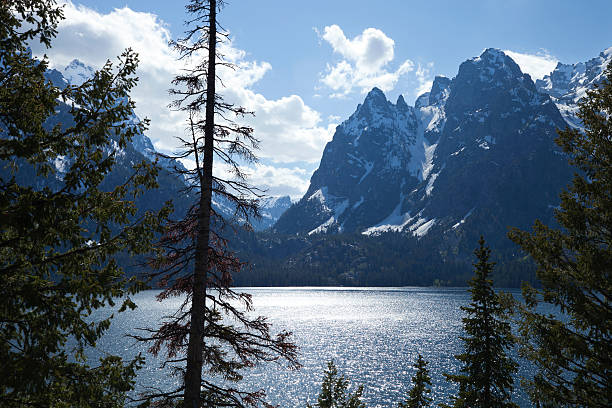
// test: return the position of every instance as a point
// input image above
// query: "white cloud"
(290, 131)
(272, 180)
(370, 50)
(364, 63)
(423, 77)
(536, 65)
(281, 180)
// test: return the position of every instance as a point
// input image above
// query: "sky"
(303, 66)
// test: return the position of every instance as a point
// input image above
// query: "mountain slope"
(568, 83)
(474, 155)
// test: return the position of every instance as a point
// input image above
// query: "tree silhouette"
(334, 391)
(486, 372)
(418, 397)
(211, 330)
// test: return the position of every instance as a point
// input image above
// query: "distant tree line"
(358, 260)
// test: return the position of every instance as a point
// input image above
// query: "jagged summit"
(438, 167)
(376, 92)
(439, 90)
(375, 100)
(76, 73)
(568, 83)
(493, 65)
(401, 103)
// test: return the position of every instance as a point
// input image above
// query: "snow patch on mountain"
(568, 84)
(395, 221)
(334, 205)
(421, 227)
(465, 217)
(76, 73)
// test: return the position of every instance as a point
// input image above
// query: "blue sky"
(306, 65)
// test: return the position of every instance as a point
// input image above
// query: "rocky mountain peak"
(492, 66)
(401, 104)
(439, 90)
(375, 96)
(76, 73)
(375, 102)
(568, 83)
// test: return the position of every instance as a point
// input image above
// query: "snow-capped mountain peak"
(568, 84)
(493, 64)
(434, 166)
(76, 73)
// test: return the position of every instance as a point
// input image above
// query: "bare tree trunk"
(193, 374)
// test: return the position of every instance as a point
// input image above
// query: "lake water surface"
(372, 334)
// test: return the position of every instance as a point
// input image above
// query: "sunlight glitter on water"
(372, 334)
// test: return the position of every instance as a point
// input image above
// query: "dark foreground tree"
(59, 231)
(334, 391)
(485, 379)
(212, 330)
(418, 397)
(574, 351)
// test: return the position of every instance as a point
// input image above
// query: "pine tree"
(574, 351)
(334, 391)
(486, 372)
(58, 240)
(212, 338)
(418, 397)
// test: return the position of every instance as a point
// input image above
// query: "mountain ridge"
(444, 165)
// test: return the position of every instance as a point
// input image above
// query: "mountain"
(271, 208)
(75, 74)
(568, 83)
(475, 155)
(374, 157)
(170, 187)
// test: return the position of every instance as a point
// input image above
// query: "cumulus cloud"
(281, 180)
(424, 78)
(364, 62)
(536, 65)
(290, 131)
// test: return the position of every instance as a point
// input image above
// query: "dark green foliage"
(418, 397)
(58, 241)
(390, 259)
(334, 391)
(574, 351)
(486, 372)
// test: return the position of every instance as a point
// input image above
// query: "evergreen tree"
(58, 243)
(211, 339)
(574, 351)
(485, 379)
(418, 397)
(334, 391)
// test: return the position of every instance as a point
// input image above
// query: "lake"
(372, 334)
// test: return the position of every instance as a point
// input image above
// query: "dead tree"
(211, 338)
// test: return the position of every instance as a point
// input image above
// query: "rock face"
(474, 155)
(490, 157)
(567, 84)
(372, 159)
